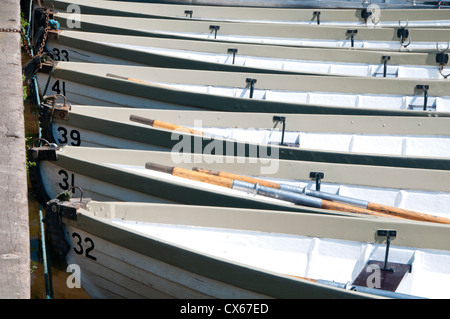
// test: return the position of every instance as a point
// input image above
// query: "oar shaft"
(404, 213)
(383, 210)
(301, 199)
(238, 177)
(132, 79)
(163, 125)
(185, 173)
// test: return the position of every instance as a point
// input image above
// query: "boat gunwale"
(169, 139)
(231, 103)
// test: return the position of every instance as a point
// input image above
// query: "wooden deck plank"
(14, 223)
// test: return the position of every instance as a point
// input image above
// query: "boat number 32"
(83, 246)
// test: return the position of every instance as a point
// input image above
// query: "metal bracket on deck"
(316, 14)
(352, 36)
(425, 94)
(252, 85)
(67, 208)
(47, 66)
(442, 59)
(281, 119)
(46, 152)
(388, 234)
(58, 110)
(318, 176)
(49, 110)
(403, 33)
(417, 90)
(385, 59)
(365, 14)
(53, 34)
(215, 28)
(233, 51)
(383, 275)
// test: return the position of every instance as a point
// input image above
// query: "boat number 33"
(83, 246)
(60, 55)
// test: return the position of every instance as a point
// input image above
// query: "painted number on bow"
(61, 55)
(59, 88)
(73, 134)
(79, 248)
(67, 181)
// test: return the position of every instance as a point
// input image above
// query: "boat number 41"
(59, 87)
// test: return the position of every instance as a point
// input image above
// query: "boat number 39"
(65, 135)
(83, 246)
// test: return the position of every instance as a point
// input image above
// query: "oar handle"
(163, 125)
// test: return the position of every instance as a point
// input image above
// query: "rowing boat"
(369, 140)
(163, 88)
(203, 179)
(76, 46)
(385, 4)
(357, 37)
(141, 250)
(368, 15)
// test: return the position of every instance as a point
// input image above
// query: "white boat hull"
(135, 250)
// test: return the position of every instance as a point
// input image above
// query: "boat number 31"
(83, 246)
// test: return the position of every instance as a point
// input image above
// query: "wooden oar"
(238, 177)
(185, 173)
(229, 183)
(163, 125)
(384, 209)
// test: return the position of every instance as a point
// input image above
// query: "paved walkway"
(14, 224)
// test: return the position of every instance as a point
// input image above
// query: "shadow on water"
(58, 274)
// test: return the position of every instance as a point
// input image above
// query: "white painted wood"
(132, 275)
